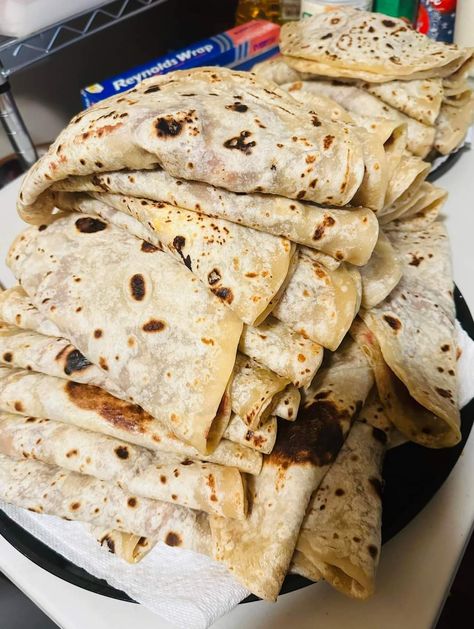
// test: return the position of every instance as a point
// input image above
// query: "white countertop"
(416, 568)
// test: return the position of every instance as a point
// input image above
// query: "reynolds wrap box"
(239, 48)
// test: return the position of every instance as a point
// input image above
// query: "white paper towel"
(185, 588)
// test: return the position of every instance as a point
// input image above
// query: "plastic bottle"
(279, 11)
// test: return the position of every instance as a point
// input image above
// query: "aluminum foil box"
(239, 48)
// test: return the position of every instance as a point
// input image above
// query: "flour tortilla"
(226, 128)
(347, 232)
(258, 551)
(391, 133)
(287, 403)
(420, 99)
(340, 537)
(319, 303)
(54, 356)
(261, 439)
(38, 395)
(406, 180)
(366, 42)
(204, 245)
(283, 351)
(130, 548)
(253, 391)
(160, 310)
(202, 486)
(424, 211)
(381, 274)
(452, 125)
(277, 70)
(371, 192)
(412, 334)
(17, 309)
(51, 490)
(420, 137)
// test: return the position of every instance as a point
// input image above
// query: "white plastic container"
(312, 7)
(464, 27)
(19, 18)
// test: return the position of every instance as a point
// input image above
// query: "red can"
(436, 19)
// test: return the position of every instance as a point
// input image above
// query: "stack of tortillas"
(377, 66)
(181, 361)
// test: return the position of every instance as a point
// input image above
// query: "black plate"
(443, 168)
(412, 474)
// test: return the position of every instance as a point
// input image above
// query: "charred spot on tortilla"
(339, 492)
(147, 247)
(19, 407)
(41, 228)
(373, 550)
(445, 348)
(75, 361)
(167, 127)
(393, 322)
(137, 286)
(377, 486)
(240, 143)
(98, 333)
(151, 89)
(122, 452)
(379, 435)
(127, 416)
(89, 225)
(153, 325)
(443, 392)
(173, 539)
(328, 140)
(103, 363)
(315, 437)
(71, 453)
(224, 293)
(132, 502)
(237, 106)
(186, 462)
(163, 479)
(388, 23)
(8, 357)
(75, 506)
(178, 243)
(214, 277)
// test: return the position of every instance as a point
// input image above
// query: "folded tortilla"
(319, 303)
(349, 233)
(51, 490)
(38, 395)
(253, 391)
(204, 245)
(202, 486)
(287, 403)
(420, 137)
(371, 192)
(17, 309)
(277, 70)
(262, 140)
(405, 182)
(283, 351)
(258, 551)
(452, 125)
(169, 334)
(363, 43)
(130, 548)
(411, 341)
(381, 274)
(340, 537)
(422, 211)
(261, 439)
(420, 99)
(52, 355)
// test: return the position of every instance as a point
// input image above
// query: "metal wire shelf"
(18, 53)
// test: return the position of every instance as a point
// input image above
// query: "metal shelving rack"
(19, 53)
